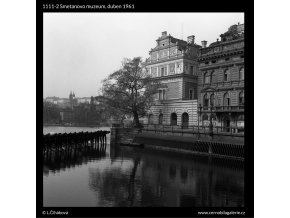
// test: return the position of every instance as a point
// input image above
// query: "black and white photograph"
(144, 110)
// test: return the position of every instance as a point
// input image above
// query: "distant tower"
(71, 99)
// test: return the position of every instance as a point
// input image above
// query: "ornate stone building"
(221, 81)
(174, 63)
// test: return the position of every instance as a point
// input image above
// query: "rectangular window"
(154, 71)
(165, 70)
(190, 94)
(195, 93)
(154, 56)
(160, 94)
(171, 68)
(191, 70)
(207, 78)
(162, 71)
(164, 94)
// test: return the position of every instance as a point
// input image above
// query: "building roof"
(215, 43)
(234, 32)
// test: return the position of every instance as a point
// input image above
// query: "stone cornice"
(221, 89)
(221, 54)
(172, 58)
(221, 65)
(181, 75)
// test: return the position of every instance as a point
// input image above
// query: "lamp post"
(199, 114)
(210, 122)
(211, 104)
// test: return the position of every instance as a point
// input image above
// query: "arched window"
(241, 98)
(241, 73)
(173, 120)
(185, 119)
(150, 119)
(212, 100)
(227, 100)
(213, 79)
(226, 75)
(241, 118)
(160, 121)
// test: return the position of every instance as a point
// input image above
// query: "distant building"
(52, 100)
(63, 103)
(174, 62)
(221, 80)
(84, 100)
(67, 115)
(72, 100)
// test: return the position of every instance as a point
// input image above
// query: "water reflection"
(147, 179)
(59, 161)
(123, 176)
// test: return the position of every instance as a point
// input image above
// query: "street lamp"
(210, 122)
(211, 104)
(199, 114)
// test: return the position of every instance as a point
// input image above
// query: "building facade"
(174, 63)
(221, 81)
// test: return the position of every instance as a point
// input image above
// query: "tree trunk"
(136, 119)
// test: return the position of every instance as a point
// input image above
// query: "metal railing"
(194, 129)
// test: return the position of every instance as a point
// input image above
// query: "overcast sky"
(81, 49)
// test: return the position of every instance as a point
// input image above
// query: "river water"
(124, 176)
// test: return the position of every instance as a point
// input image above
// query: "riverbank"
(225, 147)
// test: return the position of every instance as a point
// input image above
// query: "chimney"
(203, 43)
(190, 39)
(164, 33)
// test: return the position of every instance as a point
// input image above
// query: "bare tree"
(130, 89)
